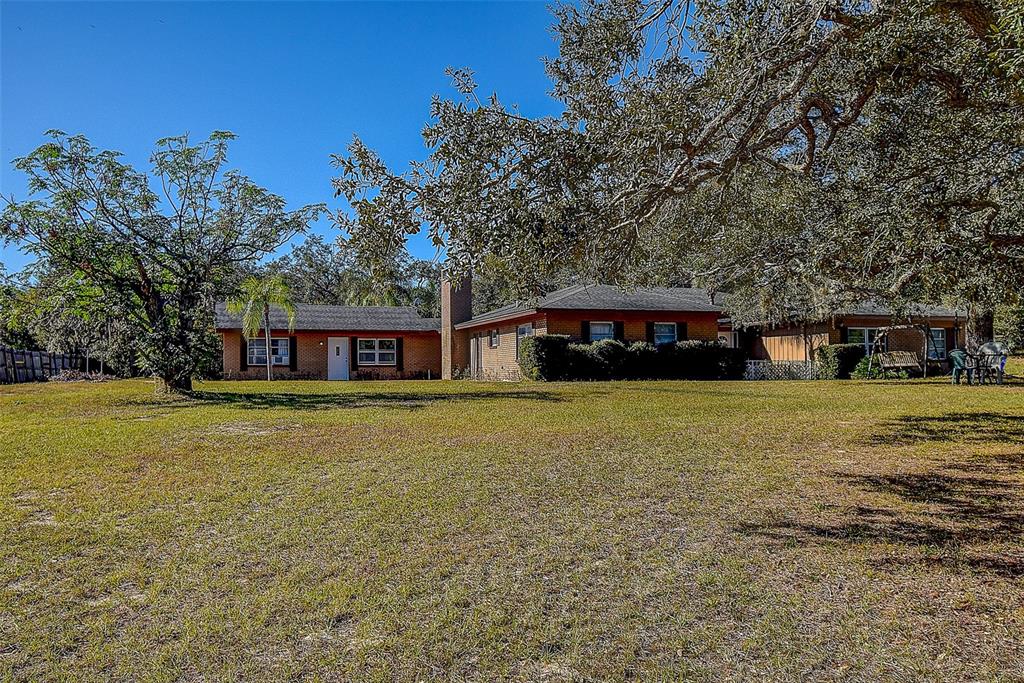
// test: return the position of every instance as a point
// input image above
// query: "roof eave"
(474, 322)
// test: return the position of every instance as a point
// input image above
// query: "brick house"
(486, 346)
(336, 342)
(858, 325)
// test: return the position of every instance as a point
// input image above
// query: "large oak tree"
(798, 154)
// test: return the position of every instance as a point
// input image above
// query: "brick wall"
(702, 326)
(456, 307)
(421, 353)
(501, 363)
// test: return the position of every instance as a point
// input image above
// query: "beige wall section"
(421, 354)
(499, 362)
(796, 343)
(789, 344)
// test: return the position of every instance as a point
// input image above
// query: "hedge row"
(554, 357)
(837, 361)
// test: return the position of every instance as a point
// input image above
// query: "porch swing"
(903, 360)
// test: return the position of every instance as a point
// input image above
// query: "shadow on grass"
(950, 511)
(405, 400)
(976, 427)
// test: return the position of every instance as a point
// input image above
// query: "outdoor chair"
(962, 364)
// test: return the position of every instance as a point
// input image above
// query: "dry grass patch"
(465, 531)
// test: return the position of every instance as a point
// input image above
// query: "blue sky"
(294, 80)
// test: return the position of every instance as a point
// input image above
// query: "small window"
(664, 333)
(377, 351)
(522, 332)
(493, 338)
(257, 351)
(937, 347)
(865, 336)
(602, 330)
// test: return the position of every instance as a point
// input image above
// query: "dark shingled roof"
(608, 297)
(916, 310)
(877, 309)
(341, 318)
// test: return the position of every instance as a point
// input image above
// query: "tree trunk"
(174, 385)
(266, 330)
(979, 325)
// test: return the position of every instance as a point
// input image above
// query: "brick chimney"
(456, 307)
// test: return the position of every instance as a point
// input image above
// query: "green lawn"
(532, 532)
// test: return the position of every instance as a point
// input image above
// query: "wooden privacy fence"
(34, 366)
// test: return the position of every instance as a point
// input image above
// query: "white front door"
(337, 357)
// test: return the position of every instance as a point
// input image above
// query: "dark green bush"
(552, 357)
(544, 357)
(641, 361)
(610, 357)
(837, 361)
(583, 363)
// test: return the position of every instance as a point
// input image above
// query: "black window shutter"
(293, 353)
(844, 334)
(650, 332)
(619, 328)
(399, 360)
(585, 331)
(243, 356)
(354, 352)
(950, 339)
(681, 332)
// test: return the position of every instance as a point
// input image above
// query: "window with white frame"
(865, 336)
(601, 330)
(664, 333)
(377, 351)
(257, 351)
(493, 338)
(522, 332)
(937, 345)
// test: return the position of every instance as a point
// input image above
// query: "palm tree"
(258, 294)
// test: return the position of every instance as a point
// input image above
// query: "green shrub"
(732, 364)
(707, 360)
(837, 361)
(876, 371)
(583, 363)
(544, 357)
(641, 361)
(552, 357)
(610, 358)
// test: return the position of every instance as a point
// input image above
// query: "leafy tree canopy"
(319, 272)
(798, 155)
(162, 245)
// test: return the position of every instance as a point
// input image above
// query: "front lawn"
(454, 531)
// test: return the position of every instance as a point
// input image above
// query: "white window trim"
(939, 349)
(610, 323)
(494, 338)
(675, 332)
(263, 341)
(376, 351)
